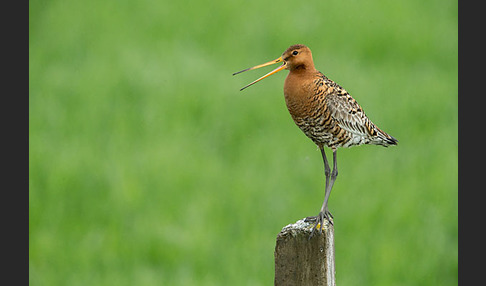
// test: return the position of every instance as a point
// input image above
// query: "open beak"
(282, 67)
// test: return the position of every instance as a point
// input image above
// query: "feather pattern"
(336, 119)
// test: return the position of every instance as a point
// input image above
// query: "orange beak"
(282, 67)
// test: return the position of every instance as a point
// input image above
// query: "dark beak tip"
(238, 72)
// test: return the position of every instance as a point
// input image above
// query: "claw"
(319, 221)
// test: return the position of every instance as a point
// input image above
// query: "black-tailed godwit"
(325, 112)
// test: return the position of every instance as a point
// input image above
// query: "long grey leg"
(327, 170)
(331, 183)
(330, 179)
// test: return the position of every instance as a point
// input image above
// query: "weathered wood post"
(303, 261)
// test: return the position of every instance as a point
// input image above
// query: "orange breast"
(299, 94)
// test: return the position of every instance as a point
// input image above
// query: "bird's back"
(328, 115)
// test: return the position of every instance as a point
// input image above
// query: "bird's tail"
(384, 139)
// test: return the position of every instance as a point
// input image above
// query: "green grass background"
(148, 166)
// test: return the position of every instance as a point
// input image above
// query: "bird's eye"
(295, 53)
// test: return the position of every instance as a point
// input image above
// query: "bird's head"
(298, 57)
(294, 58)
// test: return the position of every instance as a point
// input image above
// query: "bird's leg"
(327, 170)
(334, 174)
(330, 179)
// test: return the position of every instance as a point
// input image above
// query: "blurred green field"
(148, 166)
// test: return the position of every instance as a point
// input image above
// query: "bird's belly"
(312, 116)
(317, 132)
(330, 134)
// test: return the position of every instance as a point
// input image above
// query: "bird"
(326, 113)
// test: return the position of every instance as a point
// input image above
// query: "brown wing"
(349, 115)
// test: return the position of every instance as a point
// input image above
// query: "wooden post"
(303, 261)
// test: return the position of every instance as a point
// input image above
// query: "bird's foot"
(319, 221)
